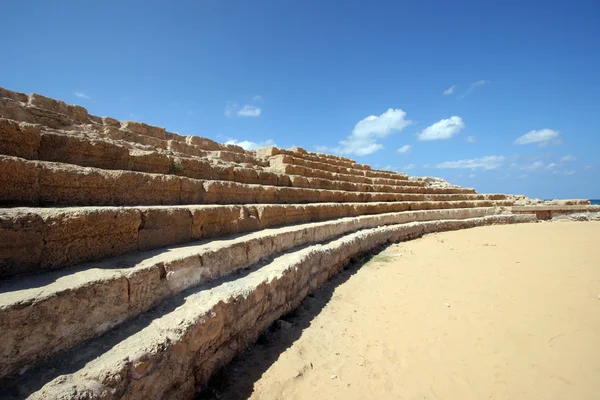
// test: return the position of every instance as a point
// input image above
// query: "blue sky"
(500, 96)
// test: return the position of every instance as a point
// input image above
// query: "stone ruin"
(134, 262)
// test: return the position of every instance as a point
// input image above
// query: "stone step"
(171, 350)
(40, 239)
(56, 114)
(35, 183)
(24, 140)
(116, 149)
(271, 151)
(290, 169)
(120, 288)
(283, 159)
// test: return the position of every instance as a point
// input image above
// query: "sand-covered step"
(549, 211)
(170, 351)
(24, 182)
(43, 314)
(283, 159)
(40, 239)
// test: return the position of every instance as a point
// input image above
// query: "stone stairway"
(134, 261)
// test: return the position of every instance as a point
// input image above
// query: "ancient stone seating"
(135, 261)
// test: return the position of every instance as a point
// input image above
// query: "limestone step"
(56, 114)
(89, 147)
(34, 183)
(26, 141)
(41, 239)
(120, 288)
(170, 351)
(290, 169)
(271, 151)
(283, 159)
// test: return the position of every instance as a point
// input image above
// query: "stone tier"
(171, 350)
(34, 240)
(26, 141)
(35, 183)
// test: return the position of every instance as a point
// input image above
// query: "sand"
(500, 312)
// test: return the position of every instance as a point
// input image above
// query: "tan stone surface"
(192, 335)
(19, 139)
(154, 276)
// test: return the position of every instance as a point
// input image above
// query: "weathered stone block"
(163, 227)
(19, 139)
(21, 242)
(18, 181)
(82, 151)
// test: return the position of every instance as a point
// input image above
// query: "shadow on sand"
(236, 380)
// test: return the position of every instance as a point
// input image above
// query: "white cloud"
(248, 145)
(409, 167)
(444, 129)
(470, 139)
(249, 111)
(564, 172)
(258, 97)
(404, 149)
(450, 90)
(473, 85)
(588, 167)
(534, 166)
(542, 137)
(483, 163)
(82, 95)
(472, 176)
(363, 139)
(552, 165)
(568, 158)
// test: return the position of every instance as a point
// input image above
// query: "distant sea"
(595, 201)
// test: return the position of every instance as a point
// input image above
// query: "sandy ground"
(500, 312)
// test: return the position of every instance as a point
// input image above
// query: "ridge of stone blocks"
(56, 114)
(35, 240)
(197, 331)
(35, 183)
(135, 261)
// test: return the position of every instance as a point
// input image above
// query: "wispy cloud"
(533, 166)
(232, 108)
(483, 163)
(367, 131)
(564, 172)
(450, 90)
(444, 129)
(473, 86)
(248, 145)
(542, 137)
(409, 167)
(81, 95)
(470, 139)
(258, 97)
(249, 111)
(404, 149)
(568, 158)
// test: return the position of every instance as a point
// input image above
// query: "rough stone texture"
(154, 277)
(149, 262)
(19, 139)
(175, 354)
